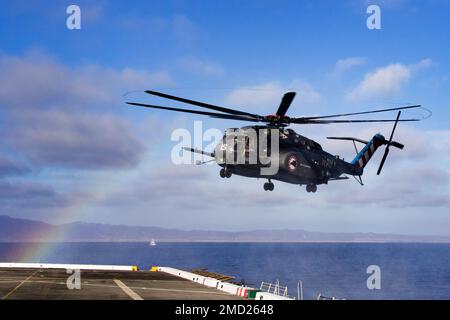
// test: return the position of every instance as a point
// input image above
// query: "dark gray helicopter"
(299, 160)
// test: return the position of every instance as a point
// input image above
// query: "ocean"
(408, 271)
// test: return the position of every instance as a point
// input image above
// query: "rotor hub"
(278, 120)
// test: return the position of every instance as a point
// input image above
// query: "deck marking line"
(133, 295)
(19, 285)
(141, 288)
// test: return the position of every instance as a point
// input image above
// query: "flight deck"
(54, 284)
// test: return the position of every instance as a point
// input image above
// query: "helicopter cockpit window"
(315, 146)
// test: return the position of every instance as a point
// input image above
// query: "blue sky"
(71, 150)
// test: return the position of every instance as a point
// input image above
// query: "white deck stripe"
(133, 295)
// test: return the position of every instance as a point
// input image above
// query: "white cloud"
(11, 167)
(167, 186)
(201, 67)
(420, 145)
(348, 63)
(52, 113)
(268, 95)
(385, 81)
(39, 81)
(417, 176)
(62, 138)
(382, 82)
(415, 184)
(425, 63)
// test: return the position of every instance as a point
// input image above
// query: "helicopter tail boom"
(363, 157)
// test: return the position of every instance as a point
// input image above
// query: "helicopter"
(298, 159)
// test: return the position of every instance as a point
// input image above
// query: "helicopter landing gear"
(225, 173)
(311, 188)
(269, 186)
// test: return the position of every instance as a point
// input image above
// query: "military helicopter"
(299, 160)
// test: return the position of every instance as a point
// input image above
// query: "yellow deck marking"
(19, 285)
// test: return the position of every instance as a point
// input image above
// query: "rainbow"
(100, 191)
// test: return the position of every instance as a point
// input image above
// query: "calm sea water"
(408, 271)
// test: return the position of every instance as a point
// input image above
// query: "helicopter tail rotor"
(363, 156)
(390, 143)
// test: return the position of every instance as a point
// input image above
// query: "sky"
(72, 150)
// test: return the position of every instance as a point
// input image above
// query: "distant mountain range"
(21, 230)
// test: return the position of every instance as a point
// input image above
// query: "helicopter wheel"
(311, 188)
(269, 186)
(225, 173)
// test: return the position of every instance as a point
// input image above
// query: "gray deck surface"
(51, 284)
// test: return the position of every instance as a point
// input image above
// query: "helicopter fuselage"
(298, 160)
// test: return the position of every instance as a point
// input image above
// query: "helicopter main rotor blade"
(303, 121)
(285, 103)
(205, 113)
(363, 112)
(200, 104)
(393, 129)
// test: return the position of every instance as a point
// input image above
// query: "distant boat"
(153, 242)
